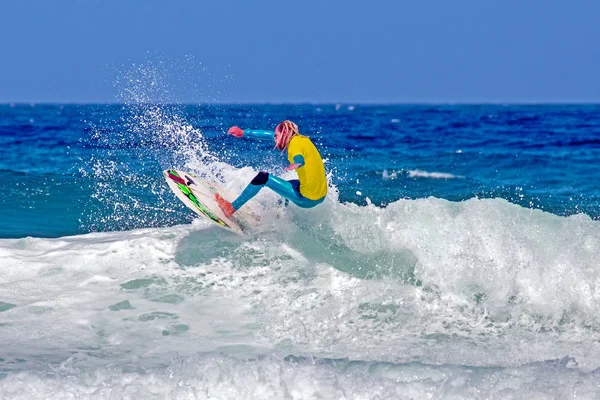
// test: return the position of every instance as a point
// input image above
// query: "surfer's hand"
(235, 131)
(292, 167)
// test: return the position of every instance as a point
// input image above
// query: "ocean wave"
(426, 279)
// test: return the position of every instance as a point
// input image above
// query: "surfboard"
(198, 195)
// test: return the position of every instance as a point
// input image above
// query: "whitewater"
(428, 297)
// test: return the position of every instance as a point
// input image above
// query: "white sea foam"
(417, 173)
(220, 377)
(386, 175)
(480, 282)
(475, 283)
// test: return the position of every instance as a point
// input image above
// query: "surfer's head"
(284, 132)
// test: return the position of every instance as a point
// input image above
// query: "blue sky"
(376, 51)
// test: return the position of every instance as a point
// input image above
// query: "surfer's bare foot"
(226, 206)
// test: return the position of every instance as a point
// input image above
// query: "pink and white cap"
(284, 132)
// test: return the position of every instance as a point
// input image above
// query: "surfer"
(307, 191)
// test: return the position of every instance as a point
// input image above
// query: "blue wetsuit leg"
(291, 190)
(286, 189)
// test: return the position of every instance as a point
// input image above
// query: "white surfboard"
(198, 194)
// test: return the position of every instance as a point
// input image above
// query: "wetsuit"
(307, 191)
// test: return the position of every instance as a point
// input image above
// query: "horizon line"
(341, 103)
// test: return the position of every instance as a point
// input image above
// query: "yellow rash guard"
(313, 183)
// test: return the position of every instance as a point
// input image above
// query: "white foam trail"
(417, 173)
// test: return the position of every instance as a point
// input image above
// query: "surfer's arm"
(259, 134)
(252, 133)
(298, 162)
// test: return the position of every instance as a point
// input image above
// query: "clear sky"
(258, 51)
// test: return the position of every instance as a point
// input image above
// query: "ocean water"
(456, 256)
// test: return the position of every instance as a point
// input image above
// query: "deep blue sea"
(73, 169)
(456, 256)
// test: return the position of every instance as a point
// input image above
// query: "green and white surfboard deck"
(198, 194)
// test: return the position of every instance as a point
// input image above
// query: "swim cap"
(284, 132)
